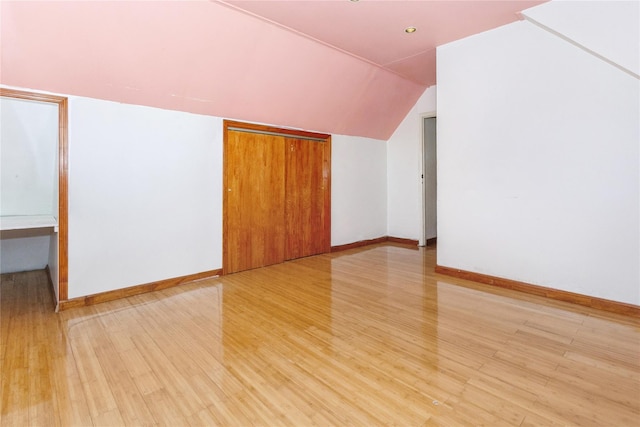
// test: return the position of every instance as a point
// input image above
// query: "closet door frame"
(229, 125)
(63, 180)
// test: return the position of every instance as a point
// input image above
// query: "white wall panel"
(145, 195)
(538, 161)
(28, 157)
(24, 250)
(358, 189)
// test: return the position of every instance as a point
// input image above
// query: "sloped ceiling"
(334, 66)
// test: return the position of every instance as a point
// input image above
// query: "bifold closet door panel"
(254, 201)
(304, 195)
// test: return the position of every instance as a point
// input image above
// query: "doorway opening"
(34, 206)
(429, 181)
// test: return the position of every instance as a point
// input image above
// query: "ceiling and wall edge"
(213, 60)
(338, 67)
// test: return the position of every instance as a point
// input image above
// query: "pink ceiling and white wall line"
(333, 66)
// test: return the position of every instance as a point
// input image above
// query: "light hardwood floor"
(363, 337)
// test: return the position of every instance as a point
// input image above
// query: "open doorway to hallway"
(429, 181)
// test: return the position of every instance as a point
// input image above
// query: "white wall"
(404, 170)
(358, 189)
(538, 163)
(29, 146)
(145, 195)
(24, 250)
(608, 28)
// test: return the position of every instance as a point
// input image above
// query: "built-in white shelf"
(25, 222)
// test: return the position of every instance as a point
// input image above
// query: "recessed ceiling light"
(410, 30)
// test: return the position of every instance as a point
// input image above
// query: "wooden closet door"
(306, 190)
(254, 201)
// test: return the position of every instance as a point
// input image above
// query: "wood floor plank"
(70, 400)
(364, 337)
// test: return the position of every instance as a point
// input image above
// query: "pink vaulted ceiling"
(333, 66)
(374, 29)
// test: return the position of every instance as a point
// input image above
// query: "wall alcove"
(34, 185)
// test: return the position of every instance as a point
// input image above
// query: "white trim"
(25, 222)
(581, 46)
